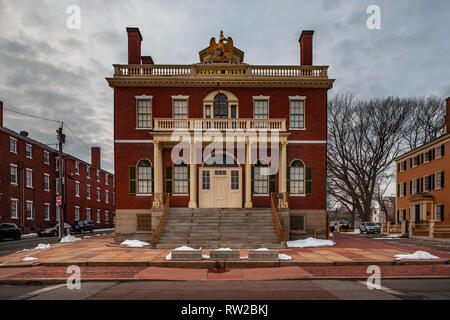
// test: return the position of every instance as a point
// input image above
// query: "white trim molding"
(144, 97)
(297, 98)
(180, 97)
(261, 97)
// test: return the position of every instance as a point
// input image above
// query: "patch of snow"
(42, 246)
(357, 231)
(310, 242)
(262, 249)
(85, 237)
(418, 255)
(205, 256)
(134, 244)
(169, 256)
(331, 235)
(29, 259)
(283, 256)
(30, 235)
(24, 250)
(244, 258)
(223, 249)
(67, 239)
(184, 248)
(103, 230)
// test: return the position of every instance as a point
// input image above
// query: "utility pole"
(61, 141)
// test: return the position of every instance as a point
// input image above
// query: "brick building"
(286, 105)
(423, 181)
(28, 184)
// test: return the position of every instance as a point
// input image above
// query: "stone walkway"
(95, 251)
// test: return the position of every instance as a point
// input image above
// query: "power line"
(32, 116)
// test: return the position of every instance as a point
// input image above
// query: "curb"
(208, 264)
(53, 281)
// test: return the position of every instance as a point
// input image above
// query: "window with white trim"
(144, 113)
(440, 212)
(107, 196)
(144, 169)
(297, 177)
(206, 180)
(261, 179)
(297, 114)
(77, 189)
(106, 179)
(29, 210)
(98, 216)
(29, 177)
(440, 151)
(98, 175)
(13, 174)
(416, 186)
(88, 172)
(88, 192)
(77, 167)
(106, 216)
(46, 157)
(29, 151)
(57, 186)
(181, 178)
(439, 178)
(88, 214)
(14, 209)
(12, 145)
(98, 194)
(46, 211)
(77, 213)
(180, 108)
(261, 109)
(46, 182)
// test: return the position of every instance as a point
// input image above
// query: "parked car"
(52, 230)
(10, 231)
(370, 227)
(83, 225)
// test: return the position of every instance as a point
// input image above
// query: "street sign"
(58, 200)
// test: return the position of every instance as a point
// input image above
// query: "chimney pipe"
(306, 48)
(134, 45)
(147, 60)
(1, 114)
(447, 115)
(95, 157)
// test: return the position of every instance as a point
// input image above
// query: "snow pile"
(169, 256)
(134, 244)
(244, 258)
(103, 230)
(24, 250)
(223, 249)
(184, 248)
(42, 246)
(331, 235)
(262, 249)
(29, 235)
(310, 242)
(283, 256)
(418, 255)
(29, 259)
(357, 231)
(67, 239)
(205, 256)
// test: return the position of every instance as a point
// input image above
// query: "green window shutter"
(288, 179)
(169, 180)
(410, 187)
(272, 183)
(308, 181)
(132, 180)
(442, 212)
(253, 180)
(153, 180)
(442, 179)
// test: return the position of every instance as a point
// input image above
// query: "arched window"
(181, 177)
(221, 106)
(297, 177)
(144, 177)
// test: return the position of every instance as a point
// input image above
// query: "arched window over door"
(221, 106)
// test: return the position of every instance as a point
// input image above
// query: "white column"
(283, 167)
(193, 179)
(157, 158)
(248, 177)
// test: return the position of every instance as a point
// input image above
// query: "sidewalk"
(350, 250)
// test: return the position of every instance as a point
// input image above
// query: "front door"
(220, 187)
(417, 211)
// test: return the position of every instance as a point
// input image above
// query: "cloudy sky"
(55, 72)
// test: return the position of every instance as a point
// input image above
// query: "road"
(409, 289)
(9, 247)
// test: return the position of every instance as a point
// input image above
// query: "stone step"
(221, 245)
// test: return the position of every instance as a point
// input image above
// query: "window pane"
(180, 109)
(206, 182)
(181, 179)
(144, 113)
(296, 114)
(261, 109)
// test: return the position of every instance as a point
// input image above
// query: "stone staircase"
(219, 228)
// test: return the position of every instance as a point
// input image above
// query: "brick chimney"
(1, 113)
(95, 157)
(147, 60)
(447, 115)
(306, 48)
(134, 45)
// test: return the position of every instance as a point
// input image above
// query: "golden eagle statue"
(222, 50)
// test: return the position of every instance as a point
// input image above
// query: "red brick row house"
(29, 184)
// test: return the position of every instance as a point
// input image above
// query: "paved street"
(8, 247)
(423, 289)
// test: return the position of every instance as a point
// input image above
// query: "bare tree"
(363, 139)
(425, 121)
